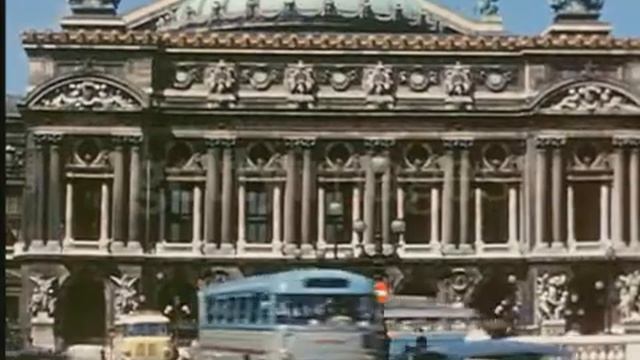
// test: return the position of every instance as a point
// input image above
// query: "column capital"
(550, 142)
(626, 142)
(48, 138)
(299, 143)
(121, 140)
(217, 143)
(379, 144)
(458, 143)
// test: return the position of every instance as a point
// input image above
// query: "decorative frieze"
(44, 295)
(592, 98)
(626, 142)
(496, 79)
(340, 78)
(185, 76)
(88, 94)
(299, 79)
(261, 78)
(378, 80)
(377, 144)
(458, 144)
(300, 143)
(47, 138)
(550, 142)
(419, 79)
(458, 80)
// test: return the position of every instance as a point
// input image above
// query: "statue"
(488, 8)
(43, 299)
(126, 300)
(629, 288)
(576, 6)
(553, 295)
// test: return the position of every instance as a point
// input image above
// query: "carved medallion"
(419, 80)
(185, 77)
(261, 78)
(496, 80)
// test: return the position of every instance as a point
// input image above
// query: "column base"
(39, 246)
(226, 249)
(369, 249)
(553, 327)
(42, 331)
(291, 250)
(466, 249)
(306, 251)
(557, 245)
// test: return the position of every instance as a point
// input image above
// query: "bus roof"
(485, 348)
(305, 281)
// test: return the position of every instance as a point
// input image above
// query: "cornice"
(331, 41)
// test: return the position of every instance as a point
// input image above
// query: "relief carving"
(629, 291)
(553, 296)
(261, 78)
(496, 79)
(378, 80)
(457, 81)
(88, 95)
(419, 80)
(457, 289)
(220, 78)
(340, 79)
(43, 298)
(593, 98)
(299, 79)
(126, 295)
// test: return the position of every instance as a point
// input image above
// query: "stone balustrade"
(594, 347)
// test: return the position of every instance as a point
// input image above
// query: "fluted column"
(227, 191)
(557, 191)
(55, 191)
(134, 189)
(465, 190)
(541, 192)
(117, 214)
(40, 141)
(212, 191)
(618, 200)
(305, 220)
(448, 193)
(634, 194)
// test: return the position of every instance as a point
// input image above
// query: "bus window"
(265, 307)
(220, 310)
(305, 309)
(242, 310)
(254, 309)
(211, 310)
(231, 310)
(147, 329)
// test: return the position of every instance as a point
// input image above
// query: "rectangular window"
(179, 213)
(495, 213)
(417, 214)
(231, 310)
(242, 310)
(258, 213)
(87, 194)
(220, 310)
(338, 213)
(254, 309)
(13, 204)
(586, 205)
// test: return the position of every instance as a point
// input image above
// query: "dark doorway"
(178, 300)
(80, 317)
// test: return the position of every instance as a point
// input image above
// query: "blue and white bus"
(294, 315)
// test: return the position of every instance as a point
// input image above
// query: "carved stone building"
(191, 141)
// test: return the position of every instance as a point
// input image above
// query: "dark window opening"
(338, 214)
(495, 213)
(586, 205)
(86, 209)
(179, 213)
(258, 213)
(417, 214)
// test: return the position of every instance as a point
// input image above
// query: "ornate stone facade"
(419, 157)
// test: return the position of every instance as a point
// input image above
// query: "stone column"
(618, 199)
(290, 194)
(118, 190)
(197, 217)
(513, 216)
(571, 220)
(369, 200)
(212, 192)
(104, 216)
(604, 213)
(276, 236)
(40, 142)
(634, 194)
(478, 219)
(557, 192)
(134, 192)
(434, 238)
(448, 193)
(68, 213)
(541, 193)
(465, 190)
(305, 220)
(227, 193)
(385, 194)
(55, 190)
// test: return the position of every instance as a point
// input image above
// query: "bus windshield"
(147, 329)
(317, 309)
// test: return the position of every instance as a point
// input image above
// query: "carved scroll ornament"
(88, 95)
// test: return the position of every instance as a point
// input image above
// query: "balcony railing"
(594, 347)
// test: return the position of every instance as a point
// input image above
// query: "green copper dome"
(340, 15)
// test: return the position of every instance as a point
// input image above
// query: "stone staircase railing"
(594, 347)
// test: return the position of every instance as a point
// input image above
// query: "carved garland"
(591, 98)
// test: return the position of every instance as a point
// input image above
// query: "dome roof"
(341, 15)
